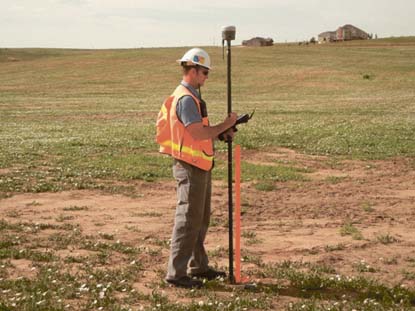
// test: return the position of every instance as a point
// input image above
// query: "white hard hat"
(195, 56)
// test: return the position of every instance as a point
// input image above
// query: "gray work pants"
(187, 253)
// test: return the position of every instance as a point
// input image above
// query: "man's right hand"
(200, 132)
(230, 120)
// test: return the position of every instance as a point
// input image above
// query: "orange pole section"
(237, 214)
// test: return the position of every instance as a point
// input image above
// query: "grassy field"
(71, 117)
(85, 119)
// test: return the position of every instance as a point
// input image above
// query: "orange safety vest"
(175, 140)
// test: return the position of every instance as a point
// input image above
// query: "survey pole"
(228, 34)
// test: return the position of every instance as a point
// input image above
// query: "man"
(184, 132)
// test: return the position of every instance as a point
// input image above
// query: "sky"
(97, 24)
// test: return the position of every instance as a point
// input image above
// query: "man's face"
(201, 75)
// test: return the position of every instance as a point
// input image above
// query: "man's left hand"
(229, 134)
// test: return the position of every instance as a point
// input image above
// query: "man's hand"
(229, 123)
(230, 120)
(199, 132)
(228, 135)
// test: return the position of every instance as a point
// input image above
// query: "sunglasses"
(205, 72)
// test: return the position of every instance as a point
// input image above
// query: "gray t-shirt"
(186, 108)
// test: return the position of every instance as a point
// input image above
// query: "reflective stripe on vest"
(176, 141)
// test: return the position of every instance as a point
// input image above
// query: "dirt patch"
(5, 171)
(300, 221)
(22, 268)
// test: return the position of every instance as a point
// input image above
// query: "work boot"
(210, 274)
(186, 282)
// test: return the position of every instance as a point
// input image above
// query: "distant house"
(344, 33)
(328, 36)
(350, 32)
(258, 41)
